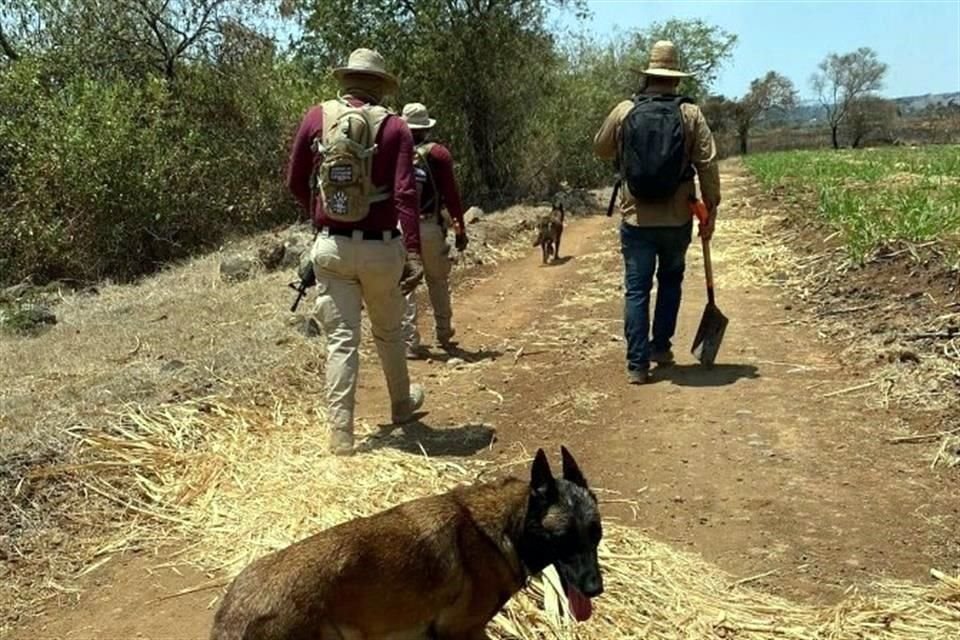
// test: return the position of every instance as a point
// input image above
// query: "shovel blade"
(706, 344)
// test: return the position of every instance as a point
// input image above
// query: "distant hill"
(812, 112)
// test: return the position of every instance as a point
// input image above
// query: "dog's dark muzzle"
(593, 586)
(585, 577)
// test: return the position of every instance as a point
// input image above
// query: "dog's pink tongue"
(580, 605)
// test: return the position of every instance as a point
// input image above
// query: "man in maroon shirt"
(361, 262)
(440, 208)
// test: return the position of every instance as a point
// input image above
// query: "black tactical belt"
(366, 235)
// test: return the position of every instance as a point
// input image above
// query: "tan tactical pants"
(352, 272)
(435, 253)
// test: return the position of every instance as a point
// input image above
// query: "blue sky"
(919, 40)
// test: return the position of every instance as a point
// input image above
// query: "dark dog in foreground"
(549, 232)
(437, 568)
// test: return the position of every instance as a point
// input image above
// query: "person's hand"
(461, 241)
(706, 227)
(412, 273)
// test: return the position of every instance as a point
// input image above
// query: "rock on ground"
(237, 268)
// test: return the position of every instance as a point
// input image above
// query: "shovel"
(713, 323)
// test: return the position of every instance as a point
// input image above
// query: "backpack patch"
(653, 158)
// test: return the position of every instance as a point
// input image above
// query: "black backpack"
(653, 159)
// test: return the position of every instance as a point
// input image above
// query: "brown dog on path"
(549, 232)
(437, 568)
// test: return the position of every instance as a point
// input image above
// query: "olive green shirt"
(701, 151)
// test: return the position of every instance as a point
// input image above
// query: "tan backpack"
(344, 158)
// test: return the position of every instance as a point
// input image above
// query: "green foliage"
(874, 197)
(104, 174)
(482, 68)
(518, 109)
(135, 132)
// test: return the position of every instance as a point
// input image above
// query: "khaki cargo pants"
(435, 254)
(352, 273)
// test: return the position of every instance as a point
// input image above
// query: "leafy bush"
(134, 133)
(116, 177)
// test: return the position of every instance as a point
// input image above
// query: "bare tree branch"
(6, 47)
(846, 78)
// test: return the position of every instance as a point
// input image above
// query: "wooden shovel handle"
(699, 211)
(708, 269)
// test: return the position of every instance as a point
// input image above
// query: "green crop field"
(872, 196)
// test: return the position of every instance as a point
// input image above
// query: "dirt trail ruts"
(764, 464)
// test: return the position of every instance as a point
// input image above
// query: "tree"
(6, 46)
(720, 113)
(842, 79)
(870, 115)
(703, 49)
(482, 65)
(772, 91)
(121, 38)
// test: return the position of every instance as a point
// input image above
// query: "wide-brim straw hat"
(369, 63)
(664, 61)
(417, 117)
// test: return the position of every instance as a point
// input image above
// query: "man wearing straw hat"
(351, 166)
(656, 222)
(440, 209)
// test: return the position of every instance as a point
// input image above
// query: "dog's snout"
(593, 586)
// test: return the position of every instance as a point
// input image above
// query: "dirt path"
(764, 464)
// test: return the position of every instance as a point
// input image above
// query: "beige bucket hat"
(367, 62)
(664, 61)
(417, 116)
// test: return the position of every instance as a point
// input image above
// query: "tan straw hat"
(664, 61)
(366, 62)
(417, 116)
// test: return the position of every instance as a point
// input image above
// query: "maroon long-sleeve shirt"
(441, 165)
(392, 169)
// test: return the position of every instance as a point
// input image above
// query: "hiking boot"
(446, 340)
(404, 414)
(663, 358)
(638, 377)
(341, 443)
(418, 353)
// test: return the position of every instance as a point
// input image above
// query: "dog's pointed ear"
(541, 477)
(571, 471)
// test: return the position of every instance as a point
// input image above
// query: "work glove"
(461, 241)
(412, 273)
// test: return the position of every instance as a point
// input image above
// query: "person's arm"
(446, 180)
(605, 143)
(405, 188)
(300, 164)
(704, 158)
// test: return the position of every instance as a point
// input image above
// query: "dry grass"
(195, 473)
(180, 333)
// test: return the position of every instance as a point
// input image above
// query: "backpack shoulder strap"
(332, 110)
(422, 151)
(375, 116)
(426, 148)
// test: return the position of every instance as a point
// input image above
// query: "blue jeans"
(643, 248)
